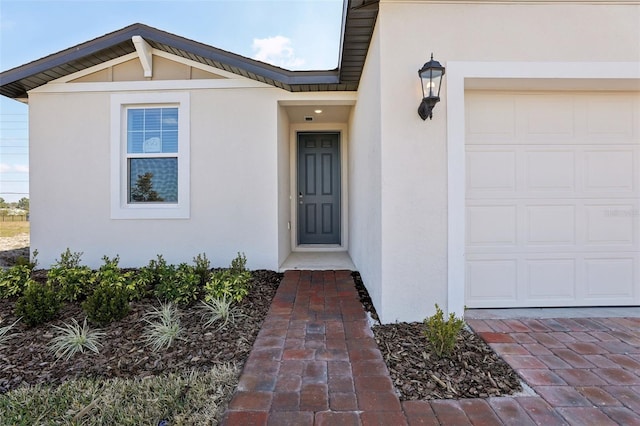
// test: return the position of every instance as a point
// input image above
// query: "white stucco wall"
(284, 185)
(234, 166)
(365, 202)
(414, 187)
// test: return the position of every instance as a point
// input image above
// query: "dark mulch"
(27, 359)
(474, 370)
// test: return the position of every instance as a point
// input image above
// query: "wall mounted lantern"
(431, 79)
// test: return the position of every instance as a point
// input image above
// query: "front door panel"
(318, 188)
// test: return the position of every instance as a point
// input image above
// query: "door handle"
(300, 198)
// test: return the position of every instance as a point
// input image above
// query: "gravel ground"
(13, 247)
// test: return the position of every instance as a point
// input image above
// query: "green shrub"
(224, 284)
(13, 281)
(71, 280)
(39, 303)
(202, 267)
(108, 303)
(151, 275)
(239, 264)
(180, 286)
(441, 334)
(111, 274)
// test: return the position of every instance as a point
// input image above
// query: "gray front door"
(318, 188)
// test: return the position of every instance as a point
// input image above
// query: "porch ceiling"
(330, 113)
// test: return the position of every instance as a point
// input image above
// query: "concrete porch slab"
(318, 261)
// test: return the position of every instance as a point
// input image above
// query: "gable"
(164, 68)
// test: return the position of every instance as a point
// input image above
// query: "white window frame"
(121, 208)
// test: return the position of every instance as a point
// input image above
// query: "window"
(150, 156)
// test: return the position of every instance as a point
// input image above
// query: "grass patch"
(194, 398)
(11, 229)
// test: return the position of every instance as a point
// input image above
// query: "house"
(522, 191)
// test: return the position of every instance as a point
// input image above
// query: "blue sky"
(293, 34)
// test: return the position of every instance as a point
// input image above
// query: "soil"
(27, 360)
(472, 371)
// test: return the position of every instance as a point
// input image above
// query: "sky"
(293, 34)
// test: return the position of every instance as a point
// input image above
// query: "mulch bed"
(27, 359)
(473, 370)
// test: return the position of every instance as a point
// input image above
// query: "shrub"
(441, 334)
(108, 303)
(38, 304)
(73, 338)
(202, 267)
(14, 280)
(230, 284)
(151, 275)
(224, 284)
(71, 280)
(163, 326)
(180, 287)
(239, 264)
(111, 274)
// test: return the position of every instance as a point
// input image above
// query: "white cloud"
(13, 168)
(276, 51)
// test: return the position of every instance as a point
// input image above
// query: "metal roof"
(359, 18)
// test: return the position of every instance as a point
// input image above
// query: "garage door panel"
(551, 224)
(491, 170)
(550, 170)
(553, 211)
(492, 225)
(543, 120)
(610, 278)
(612, 170)
(491, 118)
(492, 281)
(610, 119)
(609, 224)
(551, 278)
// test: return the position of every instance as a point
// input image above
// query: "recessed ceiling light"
(318, 111)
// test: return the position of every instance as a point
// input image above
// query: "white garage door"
(552, 199)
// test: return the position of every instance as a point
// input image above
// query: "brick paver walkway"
(315, 362)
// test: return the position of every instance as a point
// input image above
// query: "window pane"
(169, 118)
(135, 119)
(152, 118)
(152, 130)
(153, 180)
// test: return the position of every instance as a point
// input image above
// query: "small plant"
(239, 264)
(4, 333)
(226, 285)
(111, 274)
(180, 287)
(231, 284)
(74, 338)
(38, 304)
(14, 280)
(156, 271)
(219, 310)
(72, 281)
(202, 267)
(108, 303)
(163, 326)
(441, 334)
